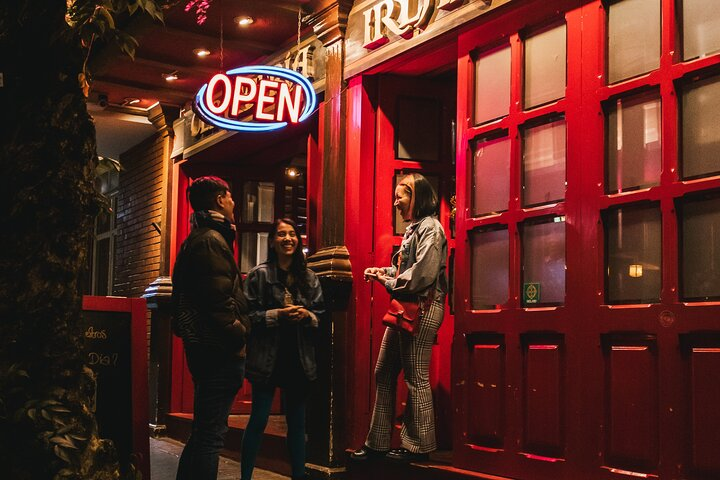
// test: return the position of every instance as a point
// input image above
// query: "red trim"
(139, 368)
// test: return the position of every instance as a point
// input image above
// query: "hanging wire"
(222, 50)
(299, 69)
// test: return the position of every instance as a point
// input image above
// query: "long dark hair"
(298, 265)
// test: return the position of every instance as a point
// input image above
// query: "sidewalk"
(165, 453)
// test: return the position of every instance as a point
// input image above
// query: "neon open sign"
(273, 96)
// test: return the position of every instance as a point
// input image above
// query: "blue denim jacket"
(422, 262)
(265, 294)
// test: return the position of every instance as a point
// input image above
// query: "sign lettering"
(395, 17)
(272, 96)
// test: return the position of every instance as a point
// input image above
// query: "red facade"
(579, 187)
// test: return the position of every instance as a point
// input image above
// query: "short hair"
(424, 198)
(204, 190)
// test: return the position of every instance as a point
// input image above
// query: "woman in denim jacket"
(417, 273)
(285, 303)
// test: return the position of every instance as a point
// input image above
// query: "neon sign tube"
(219, 101)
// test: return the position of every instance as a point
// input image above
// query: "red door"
(587, 339)
(413, 134)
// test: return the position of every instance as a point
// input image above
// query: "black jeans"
(294, 399)
(217, 379)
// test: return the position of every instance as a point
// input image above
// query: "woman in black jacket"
(285, 303)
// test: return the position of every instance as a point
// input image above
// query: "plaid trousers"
(411, 354)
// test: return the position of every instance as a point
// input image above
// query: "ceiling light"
(244, 20)
(201, 52)
(170, 77)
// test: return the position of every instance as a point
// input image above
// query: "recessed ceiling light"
(244, 20)
(201, 52)
(170, 77)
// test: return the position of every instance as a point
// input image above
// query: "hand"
(288, 313)
(372, 272)
(381, 278)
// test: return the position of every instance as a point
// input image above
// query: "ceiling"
(118, 80)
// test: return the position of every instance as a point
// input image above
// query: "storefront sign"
(266, 98)
(395, 16)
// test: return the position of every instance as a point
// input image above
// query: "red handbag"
(402, 315)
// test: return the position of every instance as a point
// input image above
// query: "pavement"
(165, 454)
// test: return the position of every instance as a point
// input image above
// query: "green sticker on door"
(531, 293)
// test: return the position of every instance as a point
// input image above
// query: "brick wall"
(141, 200)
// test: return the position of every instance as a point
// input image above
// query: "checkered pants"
(400, 350)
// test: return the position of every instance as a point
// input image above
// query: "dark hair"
(424, 197)
(204, 190)
(298, 265)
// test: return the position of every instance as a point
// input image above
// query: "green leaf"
(105, 14)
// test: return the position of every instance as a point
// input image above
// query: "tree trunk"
(48, 204)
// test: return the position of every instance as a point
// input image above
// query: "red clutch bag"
(402, 315)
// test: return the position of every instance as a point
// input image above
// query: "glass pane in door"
(543, 261)
(545, 67)
(701, 28)
(633, 243)
(489, 269)
(701, 249)
(543, 163)
(701, 128)
(633, 38)
(492, 85)
(633, 143)
(491, 176)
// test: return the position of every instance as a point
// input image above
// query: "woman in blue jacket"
(285, 302)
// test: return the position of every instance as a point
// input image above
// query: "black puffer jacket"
(210, 308)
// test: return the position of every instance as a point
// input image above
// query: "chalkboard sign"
(115, 347)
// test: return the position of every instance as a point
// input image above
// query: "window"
(543, 261)
(700, 251)
(259, 202)
(492, 85)
(633, 143)
(490, 261)
(633, 38)
(543, 163)
(104, 238)
(701, 28)
(633, 246)
(491, 175)
(545, 55)
(701, 129)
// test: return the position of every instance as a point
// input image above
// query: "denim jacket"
(265, 294)
(422, 263)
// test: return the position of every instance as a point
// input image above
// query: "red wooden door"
(414, 133)
(587, 339)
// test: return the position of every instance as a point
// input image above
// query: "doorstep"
(439, 467)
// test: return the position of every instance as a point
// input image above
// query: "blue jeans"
(294, 400)
(217, 379)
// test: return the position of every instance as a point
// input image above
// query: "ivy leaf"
(106, 16)
(62, 454)
(63, 442)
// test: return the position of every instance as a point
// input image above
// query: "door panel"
(617, 377)
(414, 133)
